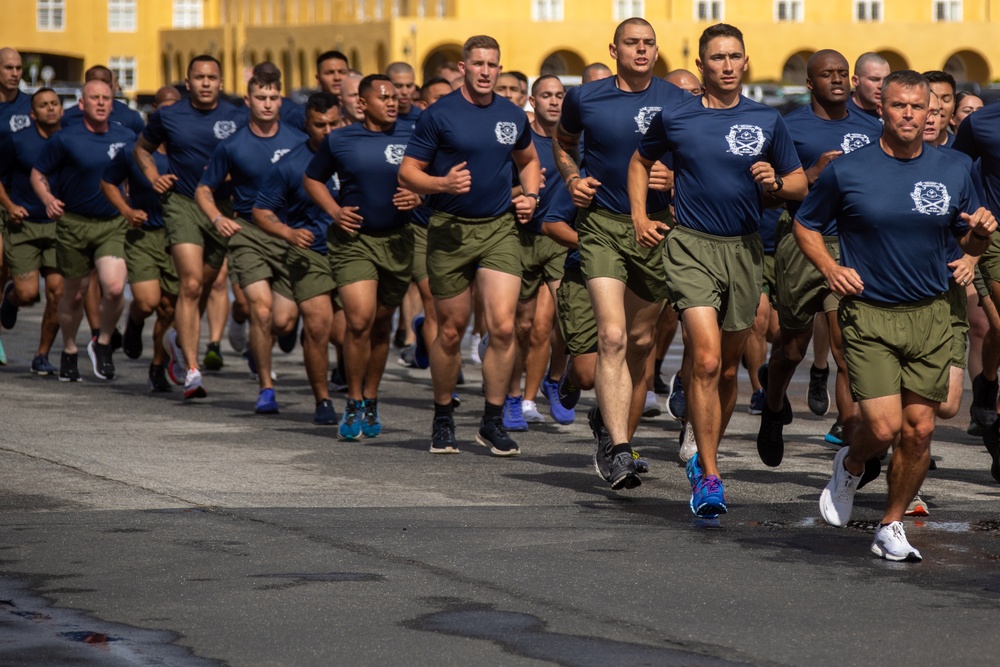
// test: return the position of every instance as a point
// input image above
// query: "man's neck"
(264, 128)
(903, 150)
(479, 99)
(720, 99)
(860, 104)
(829, 110)
(372, 126)
(47, 131)
(204, 107)
(632, 82)
(97, 127)
(544, 129)
(8, 94)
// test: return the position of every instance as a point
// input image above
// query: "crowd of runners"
(578, 237)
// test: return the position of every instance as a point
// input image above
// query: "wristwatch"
(535, 196)
(778, 181)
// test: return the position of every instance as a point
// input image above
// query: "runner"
(869, 71)
(121, 114)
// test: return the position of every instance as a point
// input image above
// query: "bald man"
(595, 72)
(869, 70)
(684, 80)
(349, 99)
(121, 114)
(405, 80)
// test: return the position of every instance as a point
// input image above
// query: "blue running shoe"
(560, 413)
(40, 366)
(836, 434)
(267, 404)
(371, 424)
(708, 500)
(420, 355)
(325, 414)
(3, 355)
(694, 471)
(676, 403)
(568, 395)
(513, 417)
(757, 402)
(350, 423)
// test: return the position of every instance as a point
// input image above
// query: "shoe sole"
(828, 511)
(347, 438)
(912, 557)
(493, 450)
(444, 450)
(43, 373)
(628, 481)
(153, 389)
(211, 364)
(64, 379)
(919, 510)
(833, 440)
(197, 392)
(651, 412)
(517, 429)
(708, 510)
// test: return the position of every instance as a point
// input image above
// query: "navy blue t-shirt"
(191, 136)
(367, 164)
(713, 150)
(556, 204)
(853, 106)
(292, 114)
(409, 119)
(283, 194)
(613, 121)
(18, 153)
(15, 115)
(979, 137)
(121, 114)
(141, 194)
(454, 130)
(78, 158)
(895, 218)
(246, 158)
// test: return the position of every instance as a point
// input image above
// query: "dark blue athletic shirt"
(292, 114)
(283, 194)
(557, 204)
(409, 119)
(367, 164)
(121, 114)
(191, 136)
(246, 158)
(141, 194)
(713, 149)
(452, 131)
(979, 137)
(18, 153)
(613, 122)
(78, 158)
(896, 218)
(852, 106)
(15, 115)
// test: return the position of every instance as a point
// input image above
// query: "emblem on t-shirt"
(931, 198)
(745, 140)
(223, 129)
(335, 181)
(18, 122)
(506, 133)
(278, 153)
(645, 116)
(114, 148)
(853, 141)
(394, 152)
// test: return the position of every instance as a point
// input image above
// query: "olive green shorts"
(456, 247)
(770, 286)
(576, 316)
(542, 261)
(386, 257)
(419, 253)
(608, 249)
(979, 280)
(30, 246)
(186, 223)
(958, 307)
(309, 272)
(889, 348)
(255, 255)
(81, 241)
(720, 272)
(802, 289)
(148, 259)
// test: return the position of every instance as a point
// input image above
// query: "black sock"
(490, 410)
(445, 410)
(618, 449)
(658, 368)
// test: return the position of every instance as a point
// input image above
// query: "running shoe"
(267, 403)
(213, 360)
(350, 422)
(530, 411)
(192, 384)
(622, 473)
(836, 434)
(176, 365)
(443, 436)
(602, 455)
(325, 415)
(770, 437)
(157, 382)
(116, 339)
(568, 395)
(984, 401)
(68, 371)
(407, 357)
(917, 507)
(693, 471)
(676, 404)
(399, 338)
(286, 342)
(689, 447)
(837, 500)
(421, 356)
(992, 441)
(3, 355)
(758, 401)
(708, 499)
(132, 340)
(237, 333)
(371, 425)
(652, 406)
(474, 341)
(560, 413)
(659, 386)
(100, 358)
(890, 543)
(492, 434)
(40, 366)
(456, 401)
(484, 344)
(818, 395)
(641, 464)
(8, 311)
(513, 418)
(338, 382)
(252, 369)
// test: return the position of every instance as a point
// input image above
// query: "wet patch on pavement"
(303, 579)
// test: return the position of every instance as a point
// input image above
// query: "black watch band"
(535, 196)
(780, 182)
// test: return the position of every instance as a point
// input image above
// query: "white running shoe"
(652, 407)
(237, 334)
(192, 385)
(176, 364)
(837, 499)
(688, 445)
(531, 413)
(891, 544)
(475, 341)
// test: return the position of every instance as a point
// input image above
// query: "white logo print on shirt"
(278, 153)
(114, 148)
(506, 133)
(645, 116)
(745, 140)
(223, 129)
(394, 153)
(853, 141)
(930, 197)
(18, 122)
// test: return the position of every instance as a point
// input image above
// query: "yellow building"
(149, 42)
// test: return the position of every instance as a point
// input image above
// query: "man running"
(869, 70)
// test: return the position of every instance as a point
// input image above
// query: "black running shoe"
(659, 386)
(492, 434)
(602, 454)
(443, 436)
(623, 474)
(873, 468)
(158, 382)
(100, 357)
(984, 401)
(116, 339)
(818, 396)
(992, 441)
(132, 340)
(68, 371)
(770, 438)
(8, 311)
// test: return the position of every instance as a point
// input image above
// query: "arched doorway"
(968, 66)
(794, 71)
(896, 61)
(441, 55)
(562, 62)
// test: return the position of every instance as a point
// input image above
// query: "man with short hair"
(714, 251)
(349, 99)
(433, 89)
(869, 70)
(121, 113)
(256, 259)
(90, 232)
(331, 69)
(462, 153)
(684, 80)
(595, 72)
(896, 206)
(405, 81)
(191, 130)
(509, 86)
(944, 88)
(29, 239)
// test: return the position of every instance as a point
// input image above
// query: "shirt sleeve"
(218, 168)
(654, 144)
(155, 132)
(965, 140)
(783, 156)
(51, 156)
(423, 143)
(570, 118)
(524, 140)
(134, 122)
(117, 170)
(822, 203)
(323, 164)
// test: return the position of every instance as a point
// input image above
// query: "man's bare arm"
(143, 152)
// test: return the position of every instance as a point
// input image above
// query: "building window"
(790, 11)
(124, 69)
(947, 10)
(441, 8)
(547, 10)
(121, 15)
(709, 10)
(51, 14)
(868, 11)
(187, 13)
(379, 9)
(626, 9)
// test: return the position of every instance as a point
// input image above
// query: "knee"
(190, 287)
(612, 341)
(884, 433)
(261, 313)
(502, 335)
(707, 365)
(449, 338)
(26, 291)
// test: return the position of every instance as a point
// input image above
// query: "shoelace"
(846, 489)
(711, 485)
(442, 428)
(498, 423)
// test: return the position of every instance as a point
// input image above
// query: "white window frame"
(790, 10)
(122, 16)
(547, 10)
(710, 14)
(953, 11)
(50, 15)
(125, 68)
(869, 6)
(626, 9)
(188, 14)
